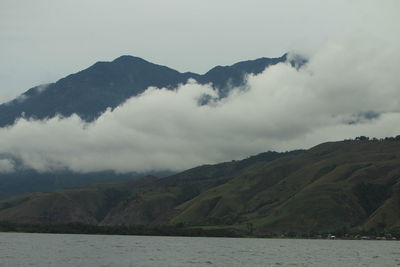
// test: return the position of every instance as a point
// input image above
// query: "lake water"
(19, 249)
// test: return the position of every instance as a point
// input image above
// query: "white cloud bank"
(281, 109)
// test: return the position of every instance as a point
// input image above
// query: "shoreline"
(172, 230)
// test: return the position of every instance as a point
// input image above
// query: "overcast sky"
(42, 41)
(353, 72)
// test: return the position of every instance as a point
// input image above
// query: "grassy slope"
(331, 187)
(85, 205)
(122, 203)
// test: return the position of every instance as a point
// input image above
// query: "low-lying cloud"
(6, 166)
(345, 90)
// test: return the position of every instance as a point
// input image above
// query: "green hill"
(348, 186)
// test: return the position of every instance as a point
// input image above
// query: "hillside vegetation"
(348, 186)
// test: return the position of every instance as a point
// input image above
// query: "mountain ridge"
(335, 187)
(103, 85)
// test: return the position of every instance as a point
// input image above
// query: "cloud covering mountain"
(346, 89)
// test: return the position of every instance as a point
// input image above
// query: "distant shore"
(171, 230)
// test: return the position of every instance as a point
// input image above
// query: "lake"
(20, 249)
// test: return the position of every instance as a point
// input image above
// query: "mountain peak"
(104, 85)
(127, 59)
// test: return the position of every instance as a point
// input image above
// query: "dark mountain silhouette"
(104, 85)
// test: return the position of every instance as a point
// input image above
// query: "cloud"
(346, 89)
(41, 88)
(6, 166)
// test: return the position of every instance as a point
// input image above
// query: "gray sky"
(42, 41)
(353, 70)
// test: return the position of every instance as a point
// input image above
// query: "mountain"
(24, 181)
(104, 85)
(197, 179)
(342, 187)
